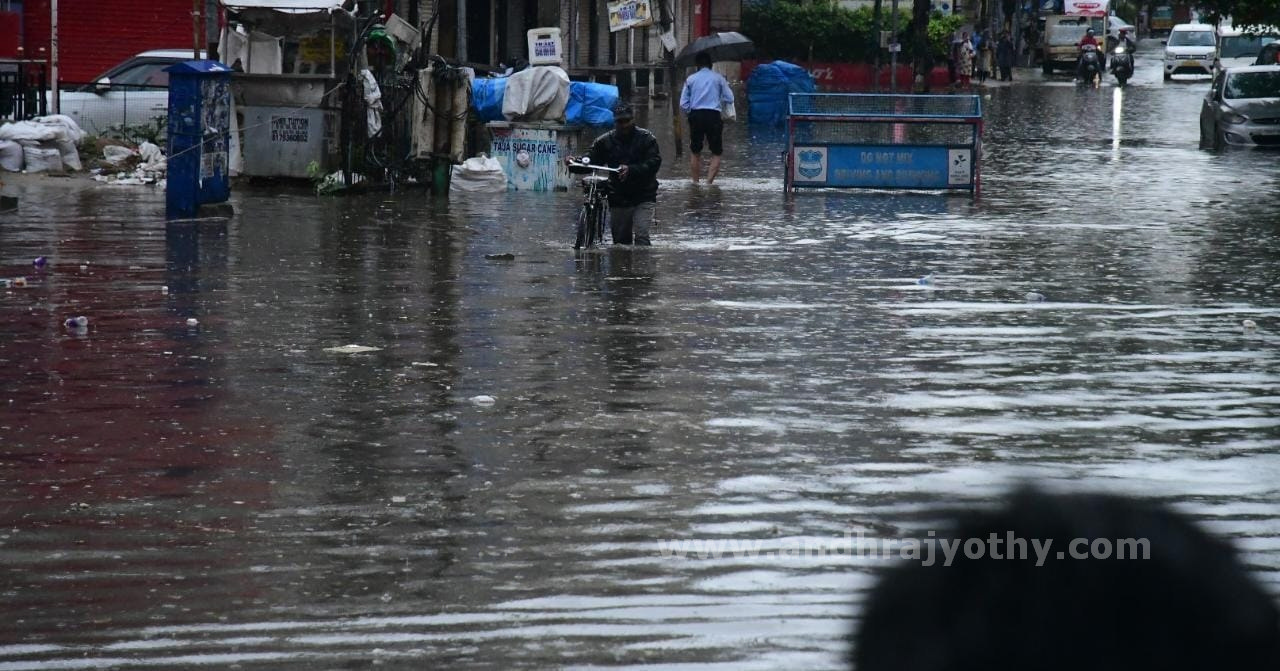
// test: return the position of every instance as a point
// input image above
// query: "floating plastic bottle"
(77, 322)
(926, 280)
(1034, 297)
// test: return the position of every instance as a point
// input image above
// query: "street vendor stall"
(290, 58)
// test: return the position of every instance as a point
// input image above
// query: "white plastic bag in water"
(479, 174)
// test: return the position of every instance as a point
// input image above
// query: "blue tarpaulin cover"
(591, 104)
(767, 90)
(486, 98)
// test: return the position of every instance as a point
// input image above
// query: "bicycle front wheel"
(584, 218)
(602, 217)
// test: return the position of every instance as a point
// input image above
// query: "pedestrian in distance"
(1117, 584)
(633, 193)
(1004, 57)
(964, 62)
(705, 93)
(985, 58)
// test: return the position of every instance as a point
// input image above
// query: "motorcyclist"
(1129, 44)
(1088, 39)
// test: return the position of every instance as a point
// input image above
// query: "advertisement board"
(893, 166)
(1085, 7)
(625, 14)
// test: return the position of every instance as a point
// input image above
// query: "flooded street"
(230, 494)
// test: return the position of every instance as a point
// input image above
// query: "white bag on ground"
(478, 174)
(115, 154)
(152, 157)
(70, 154)
(10, 156)
(40, 159)
(537, 94)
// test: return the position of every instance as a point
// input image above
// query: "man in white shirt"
(705, 91)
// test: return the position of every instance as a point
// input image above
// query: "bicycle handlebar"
(582, 167)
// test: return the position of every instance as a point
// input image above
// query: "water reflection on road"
(770, 374)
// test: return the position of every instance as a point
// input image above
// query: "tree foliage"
(820, 30)
(1243, 13)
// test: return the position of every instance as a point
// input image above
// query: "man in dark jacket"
(633, 195)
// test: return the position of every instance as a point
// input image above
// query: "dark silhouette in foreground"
(1190, 605)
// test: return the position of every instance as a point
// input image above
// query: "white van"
(1192, 49)
(1238, 48)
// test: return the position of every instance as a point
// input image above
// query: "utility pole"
(893, 48)
(53, 56)
(195, 29)
(876, 14)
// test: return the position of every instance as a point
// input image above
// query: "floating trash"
(483, 399)
(926, 280)
(424, 364)
(399, 499)
(5, 284)
(1249, 325)
(40, 262)
(352, 349)
(19, 282)
(193, 322)
(500, 257)
(77, 322)
(164, 289)
(84, 267)
(1034, 297)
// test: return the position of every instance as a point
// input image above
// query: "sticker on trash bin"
(289, 129)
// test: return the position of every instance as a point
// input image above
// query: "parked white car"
(133, 93)
(1238, 48)
(1192, 49)
(1242, 108)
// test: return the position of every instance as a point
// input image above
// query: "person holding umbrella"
(705, 91)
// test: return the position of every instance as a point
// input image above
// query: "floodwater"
(771, 374)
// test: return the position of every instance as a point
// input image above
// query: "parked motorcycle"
(1122, 64)
(1090, 66)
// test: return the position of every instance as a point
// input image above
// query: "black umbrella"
(721, 47)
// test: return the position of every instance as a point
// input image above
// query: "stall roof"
(288, 6)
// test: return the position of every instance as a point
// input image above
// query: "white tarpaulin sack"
(10, 156)
(478, 174)
(536, 94)
(39, 159)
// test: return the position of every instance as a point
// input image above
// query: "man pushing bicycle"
(633, 195)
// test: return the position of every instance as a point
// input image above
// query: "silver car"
(1242, 108)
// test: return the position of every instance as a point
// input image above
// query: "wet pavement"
(227, 493)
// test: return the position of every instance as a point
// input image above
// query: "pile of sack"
(43, 144)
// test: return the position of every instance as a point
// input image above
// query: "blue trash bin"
(199, 136)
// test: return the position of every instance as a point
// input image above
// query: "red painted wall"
(10, 28)
(95, 35)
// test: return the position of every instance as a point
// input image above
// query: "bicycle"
(595, 202)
